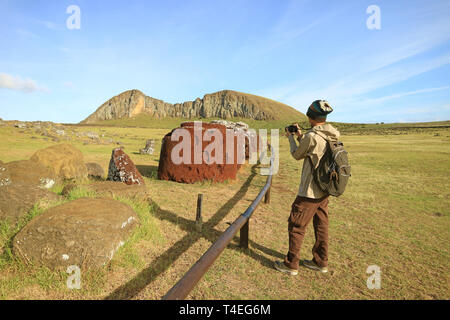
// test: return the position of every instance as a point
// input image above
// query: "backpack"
(333, 171)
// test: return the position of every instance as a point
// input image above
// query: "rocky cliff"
(225, 104)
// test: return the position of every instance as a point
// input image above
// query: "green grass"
(17, 276)
(394, 214)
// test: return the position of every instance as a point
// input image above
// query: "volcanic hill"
(224, 104)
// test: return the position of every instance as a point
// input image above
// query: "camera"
(291, 129)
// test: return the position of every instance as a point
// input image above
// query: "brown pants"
(303, 210)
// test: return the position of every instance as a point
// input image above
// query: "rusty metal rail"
(184, 286)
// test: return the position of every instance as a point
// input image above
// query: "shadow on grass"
(165, 260)
(148, 171)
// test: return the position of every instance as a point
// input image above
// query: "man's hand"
(299, 131)
(287, 133)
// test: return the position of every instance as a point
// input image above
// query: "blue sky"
(291, 51)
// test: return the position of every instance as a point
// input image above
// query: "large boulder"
(94, 170)
(26, 172)
(206, 169)
(64, 160)
(122, 169)
(85, 232)
(17, 200)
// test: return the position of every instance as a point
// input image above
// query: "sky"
(387, 65)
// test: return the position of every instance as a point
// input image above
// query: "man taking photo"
(311, 202)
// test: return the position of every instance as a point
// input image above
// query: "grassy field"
(395, 214)
(146, 121)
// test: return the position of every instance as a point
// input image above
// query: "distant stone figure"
(121, 168)
(149, 147)
(20, 125)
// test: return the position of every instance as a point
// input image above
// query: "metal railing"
(184, 286)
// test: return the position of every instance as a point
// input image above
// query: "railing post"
(198, 218)
(243, 241)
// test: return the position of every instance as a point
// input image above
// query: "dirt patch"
(111, 189)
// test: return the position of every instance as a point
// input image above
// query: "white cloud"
(26, 33)
(347, 77)
(69, 84)
(49, 25)
(404, 94)
(27, 85)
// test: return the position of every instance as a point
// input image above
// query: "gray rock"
(85, 232)
(149, 147)
(121, 168)
(20, 125)
(17, 200)
(91, 135)
(26, 172)
(95, 170)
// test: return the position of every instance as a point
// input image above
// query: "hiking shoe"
(280, 266)
(313, 266)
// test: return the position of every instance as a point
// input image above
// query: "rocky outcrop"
(64, 160)
(17, 200)
(122, 169)
(94, 170)
(84, 232)
(225, 104)
(26, 172)
(45, 167)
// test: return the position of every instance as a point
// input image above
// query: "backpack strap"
(320, 134)
(327, 140)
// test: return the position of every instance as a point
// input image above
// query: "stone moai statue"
(149, 147)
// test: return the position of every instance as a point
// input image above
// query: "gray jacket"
(312, 145)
